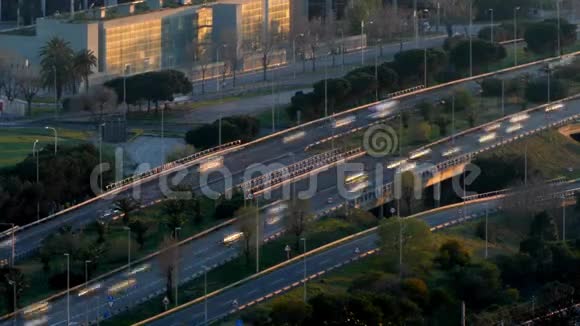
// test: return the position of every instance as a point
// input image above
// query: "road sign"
(165, 302)
(110, 300)
(239, 322)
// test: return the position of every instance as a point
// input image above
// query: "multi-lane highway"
(208, 250)
(292, 275)
(265, 151)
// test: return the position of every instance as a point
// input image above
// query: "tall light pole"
(342, 48)
(36, 155)
(163, 134)
(67, 288)
(294, 52)
(177, 229)
(362, 45)
(438, 16)
(101, 127)
(491, 24)
(558, 19)
(205, 294)
(126, 71)
(220, 129)
(55, 138)
(304, 265)
(55, 94)
(470, 38)
(257, 236)
(563, 219)
(486, 215)
(376, 76)
(128, 250)
(326, 90)
(516, 9)
(87, 262)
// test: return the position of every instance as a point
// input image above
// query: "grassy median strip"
(319, 233)
(42, 283)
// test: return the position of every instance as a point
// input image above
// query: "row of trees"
(243, 128)
(541, 37)
(150, 87)
(63, 69)
(362, 85)
(433, 280)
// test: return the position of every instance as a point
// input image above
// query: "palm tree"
(126, 206)
(13, 281)
(174, 209)
(83, 63)
(56, 64)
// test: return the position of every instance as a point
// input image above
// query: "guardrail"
(124, 187)
(288, 262)
(297, 170)
(506, 42)
(124, 267)
(295, 128)
(405, 91)
(170, 165)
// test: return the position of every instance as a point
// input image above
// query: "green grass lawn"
(16, 143)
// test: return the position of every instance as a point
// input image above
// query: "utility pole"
(563, 219)
(304, 265)
(470, 38)
(462, 313)
(486, 216)
(257, 236)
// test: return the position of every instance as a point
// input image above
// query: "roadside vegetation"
(527, 264)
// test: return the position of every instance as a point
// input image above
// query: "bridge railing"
(170, 165)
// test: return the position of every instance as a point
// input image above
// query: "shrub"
(537, 90)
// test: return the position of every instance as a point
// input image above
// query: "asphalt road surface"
(222, 304)
(263, 152)
(208, 250)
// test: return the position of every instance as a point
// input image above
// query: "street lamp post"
(516, 9)
(362, 46)
(563, 219)
(205, 294)
(294, 52)
(177, 229)
(304, 269)
(326, 90)
(470, 38)
(126, 71)
(86, 284)
(376, 76)
(257, 236)
(163, 135)
(36, 155)
(486, 215)
(342, 48)
(101, 126)
(128, 250)
(491, 24)
(55, 138)
(67, 288)
(558, 14)
(55, 94)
